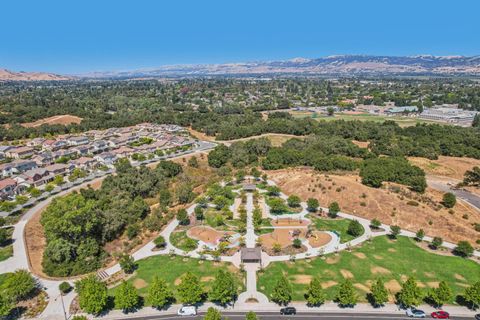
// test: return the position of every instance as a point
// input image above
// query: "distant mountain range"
(341, 65)
(6, 75)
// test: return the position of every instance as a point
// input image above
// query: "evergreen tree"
(312, 204)
(126, 297)
(346, 295)
(355, 228)
(379, 294)
(411, 294)
(420, 235)
(394, 232)
(224, 288)
(441, 295)
(190, 289)
(282, 292)
(212, 314)
(333, 209)
(92, 294)
(464, 249)
(315, 294)
(472, 295)
(159, 295)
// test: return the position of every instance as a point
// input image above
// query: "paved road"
(299, 316)
(469, 197)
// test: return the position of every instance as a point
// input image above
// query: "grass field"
(6, 251)
(394, 261)
(172, 268)
(340, 226)
(402, 121)
(180, 240)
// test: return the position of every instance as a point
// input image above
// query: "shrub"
(127, 263)
(355, 228)
(464, 249)
(394, 231)
(160, 242)
(297, 243)
(64, 287)
(293, 201)
(436, 242)
(333, 210)
(449, 200)
(375, 223)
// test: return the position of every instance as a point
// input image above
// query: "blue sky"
(78, 36)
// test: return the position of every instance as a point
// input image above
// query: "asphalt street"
(299, 316)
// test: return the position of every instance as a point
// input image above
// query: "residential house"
(78, 140)
(4, 149)
(99, 146)
(37, 142)
(106, 158)
(35, 177)
(43, 159)
(59, 169)
(82, 150)
(53, 145)
(19, 152)
(7, 188)
(16, 167)
(123, 152)
(84, 163)
(64, 153)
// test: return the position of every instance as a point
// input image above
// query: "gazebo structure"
(251, 255)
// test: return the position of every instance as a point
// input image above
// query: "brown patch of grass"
(383, 204)
(346, 274)
(333, 260)
(361, 287)
(61, 119)
(380, 270)
(328, 284)
(139, 283)
(303, 279)
(360, 255)
(393, 286)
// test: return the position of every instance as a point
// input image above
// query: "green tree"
(159, 295)
(333, 209)
(411, 294)
(224, 288)
(273, 191)
(182, 217)
(193, 162)
(92, 294)
(19, 285)
(330, 111)
(472, 295)
(355, 228)
(160, 242)
(378, 294)
(312, 204)
(212, 314)
(420, 235)
(190, 289)
(126, 297)
(449, 200)
(394, 231)
(315, 294)
(346, 295)
(251, 316)
(127, 263)
(293, 201)
(441, 295)
(199, 215)
(436, 242)
(165, 197)
(282, 292)
(375, 223)
(277, 206)
(464, 249)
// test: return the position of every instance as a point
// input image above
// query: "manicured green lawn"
(180, 240)
(6, 252)
(391, 260)
(171, 268)
(340, 226)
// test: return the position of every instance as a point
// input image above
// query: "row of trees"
(93, 296)
(346, 295)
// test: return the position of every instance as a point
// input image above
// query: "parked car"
(187, 311)
(415, 313)
(477, 316)
(440, 315)
(288, 311)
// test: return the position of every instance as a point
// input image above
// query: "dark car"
(288, 311)
(440, 315)
(477, 316)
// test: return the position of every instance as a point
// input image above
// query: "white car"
(415, 313)
(187, 311)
